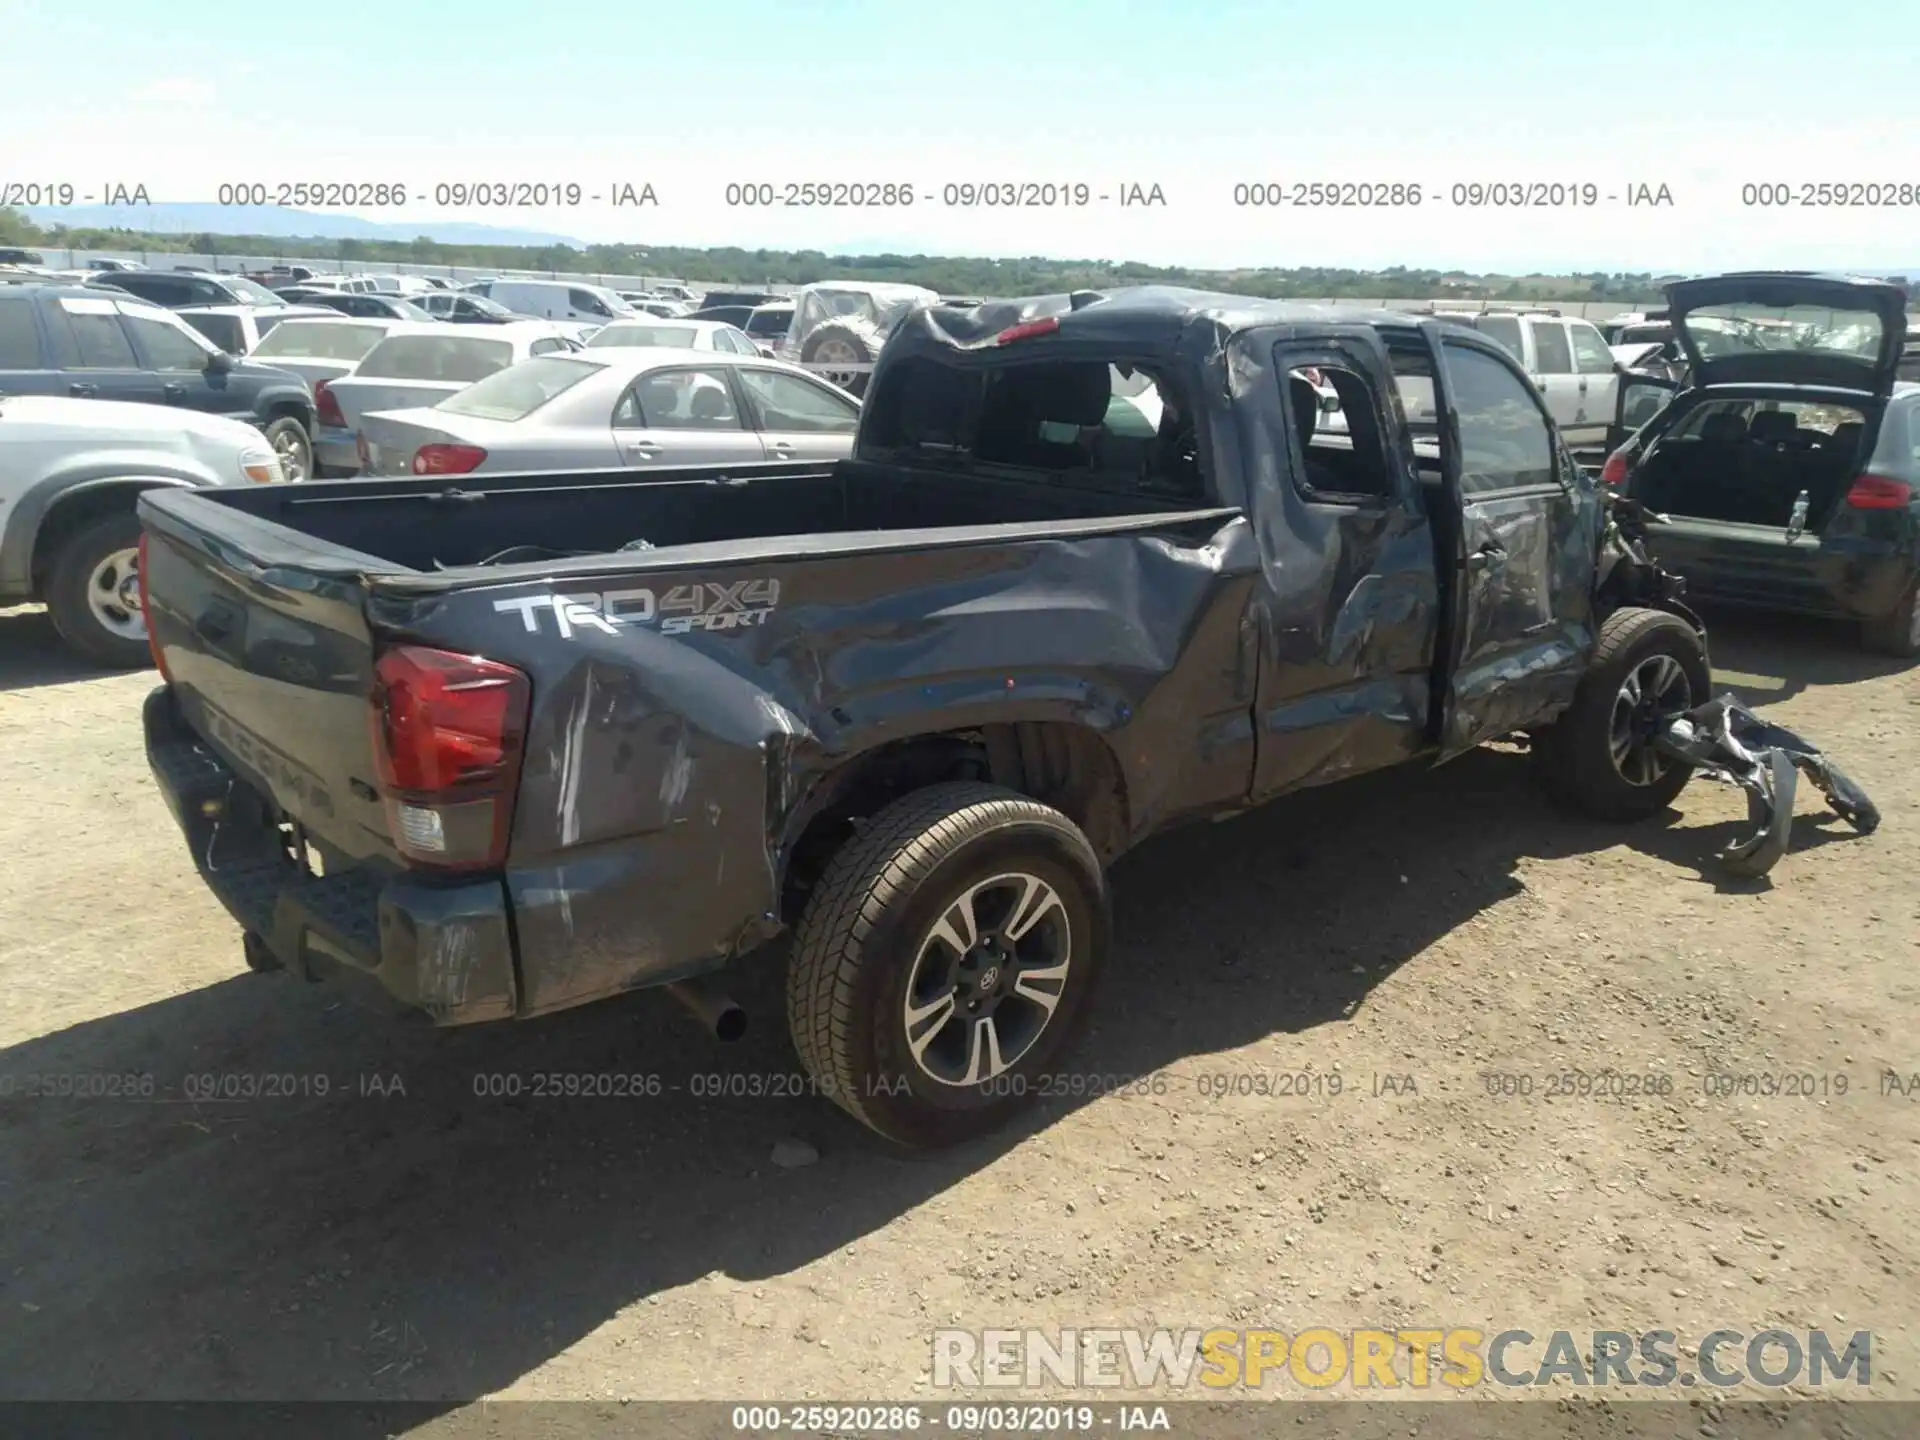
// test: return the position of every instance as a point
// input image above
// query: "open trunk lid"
(266, 642)
(1791, 328)
(360, 397)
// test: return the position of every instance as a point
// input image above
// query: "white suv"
(71, 472)
(1569, 362)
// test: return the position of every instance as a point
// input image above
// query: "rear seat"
(1706, 475)
(1779, 464)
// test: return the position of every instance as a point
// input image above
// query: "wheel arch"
(287, 405)
(1070, 767)
(58, 508)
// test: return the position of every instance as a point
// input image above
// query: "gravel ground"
(1412, 934)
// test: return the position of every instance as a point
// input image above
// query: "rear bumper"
(400, 944)
(335, 448)
(1846, 579)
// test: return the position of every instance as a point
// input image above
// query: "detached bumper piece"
(1728, 743)
(392, 942)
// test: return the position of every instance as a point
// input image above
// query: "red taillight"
(1613, 474)
(447, 459)
(1027, 330)
(1877, 492)
(326, 406)
(146, 615)
(447, 734)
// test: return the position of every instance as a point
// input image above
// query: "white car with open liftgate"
(417, 364)
(618, 407)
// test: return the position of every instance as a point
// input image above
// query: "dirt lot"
(1434, 928)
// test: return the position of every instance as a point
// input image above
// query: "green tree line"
(948, 274)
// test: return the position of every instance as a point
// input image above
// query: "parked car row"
(617, 407)
(1800, 493)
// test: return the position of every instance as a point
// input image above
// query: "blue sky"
(1191, 96)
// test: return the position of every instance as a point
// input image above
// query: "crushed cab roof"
(1139, 313)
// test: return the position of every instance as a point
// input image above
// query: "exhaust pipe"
(712, 1006)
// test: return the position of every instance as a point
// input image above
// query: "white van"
(560, 300)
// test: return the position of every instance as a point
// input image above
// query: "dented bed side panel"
(665, 771)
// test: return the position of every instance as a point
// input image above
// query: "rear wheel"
(93, 593)
(1600, 756)
(944, 963)
(1897, 633)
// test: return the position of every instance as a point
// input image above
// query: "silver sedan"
(617, 407)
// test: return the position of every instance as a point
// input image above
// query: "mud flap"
(1726, 742)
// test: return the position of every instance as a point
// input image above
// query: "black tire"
(70, 578)
(294, 446)
(1576, 756)
(870, 920)
(1897, 634)
(854, 342)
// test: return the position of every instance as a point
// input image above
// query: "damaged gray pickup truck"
(1093, 570)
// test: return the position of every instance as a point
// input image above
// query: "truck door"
(1347, 618)
(1519, 606)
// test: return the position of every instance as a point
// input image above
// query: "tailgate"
(266, 641)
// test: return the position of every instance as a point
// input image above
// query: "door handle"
(1583, 384)
(83, 388)
(780, 447)
(644, 452)
(174, 392)
(1487, 557)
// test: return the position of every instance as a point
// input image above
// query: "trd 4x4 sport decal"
(707, 605)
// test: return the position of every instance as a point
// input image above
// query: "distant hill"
(272, 220)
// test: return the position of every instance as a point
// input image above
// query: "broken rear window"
(1109, 427)
(1722, 330)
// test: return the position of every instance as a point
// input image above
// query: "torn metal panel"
(664, 773)
(1728, 743)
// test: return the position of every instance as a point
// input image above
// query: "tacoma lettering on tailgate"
(284, 777)
(703, 605)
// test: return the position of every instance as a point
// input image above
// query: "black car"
(367, 305)
(1786, 456)
(88, 341)
(177, 290)
(748, 298)
(734, 315)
